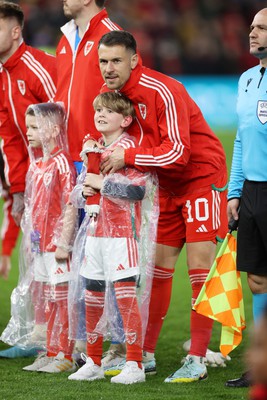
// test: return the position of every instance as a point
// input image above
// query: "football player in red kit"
(176, 142)
(79, 77)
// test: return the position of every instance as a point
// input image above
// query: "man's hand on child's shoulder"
(113, 162)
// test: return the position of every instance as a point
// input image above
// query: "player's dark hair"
(100, 3)
(11, 10)
(119, 38)
(116, 102)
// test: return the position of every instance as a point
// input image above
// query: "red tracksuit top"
(173, 136)
(79, 78)
(27, 77)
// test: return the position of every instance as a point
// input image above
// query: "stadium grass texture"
(22, 385)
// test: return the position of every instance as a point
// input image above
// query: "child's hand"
(92, 143)
(95, 181)
(88, 191)
(5, 266)
(61, 255)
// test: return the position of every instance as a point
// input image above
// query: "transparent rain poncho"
(115, 244)
(48, 227)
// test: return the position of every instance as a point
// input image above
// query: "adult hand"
(17, 207)
(113, 162)
(232, 208)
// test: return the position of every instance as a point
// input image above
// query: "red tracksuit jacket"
(173, 136)
(79, 78)
(27, 77)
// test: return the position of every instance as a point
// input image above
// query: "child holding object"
(119, 230)
(48, 228)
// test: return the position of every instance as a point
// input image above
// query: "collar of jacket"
(69, 29)
(15, 58)
(129, 88)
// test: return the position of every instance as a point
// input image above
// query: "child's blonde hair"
(116, 102)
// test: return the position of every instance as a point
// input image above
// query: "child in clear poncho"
(48, 227)
(114, 226)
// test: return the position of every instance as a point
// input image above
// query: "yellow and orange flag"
(221, 296)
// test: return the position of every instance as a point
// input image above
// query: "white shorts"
(110, 259)
(47, 269)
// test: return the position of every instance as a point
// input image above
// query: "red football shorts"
(192, 218)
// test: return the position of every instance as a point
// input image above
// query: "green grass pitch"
(21, 385)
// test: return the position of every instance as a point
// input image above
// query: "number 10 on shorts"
(197, 209)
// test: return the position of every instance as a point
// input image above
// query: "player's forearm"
(166, 156)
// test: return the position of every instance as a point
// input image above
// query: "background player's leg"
(200, 257)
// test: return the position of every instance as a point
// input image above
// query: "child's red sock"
(94, 305)
(127, 303)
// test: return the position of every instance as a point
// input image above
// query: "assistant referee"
(248, 179)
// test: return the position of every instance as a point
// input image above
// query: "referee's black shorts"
(252, 229)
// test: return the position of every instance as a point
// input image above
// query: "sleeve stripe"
(62, 164)
(170, 158)
(109, 24)
(171, 113)
(172, 125)
(42, 68)
(39, 72)
(127, 143)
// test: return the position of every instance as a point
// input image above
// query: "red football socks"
(158, 307)
(201, 327)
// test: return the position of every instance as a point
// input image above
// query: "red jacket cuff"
(129, 156)
(16, 188)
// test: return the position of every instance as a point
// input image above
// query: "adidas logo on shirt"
(202, 228)
(63, 50)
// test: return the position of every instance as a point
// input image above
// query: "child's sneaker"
(38, 334)
(59, 364)
(193, 370)
(114, 356)
(149, 363)
(88, 372)
(41, 361)
(18, 352)
(130, 374)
